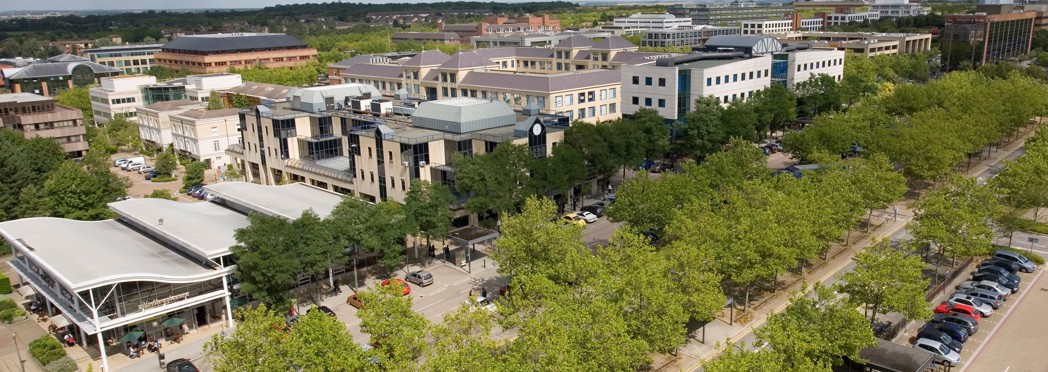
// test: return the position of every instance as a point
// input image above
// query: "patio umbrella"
(172, 322)
(131, 336)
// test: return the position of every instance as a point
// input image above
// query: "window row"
(820, 64)
(648, 80)
(734, 78)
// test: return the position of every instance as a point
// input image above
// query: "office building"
(119, 96)
(160, 269)
(440, 37)
(63, 71)
(866, 44)
(730, 14)
(532, 39)
(898, 8)
(574, 78)
(729, 68)
(651, 22)
(213, 53)
(253, 94)
(133, 59)
(154, 121)
(773, 26)
(684, 37)
(192, 87)
(204, 135)
(500, 24)
(837, 19)
(351, 140)
(987, 38)
(820, 6)
(38, 116)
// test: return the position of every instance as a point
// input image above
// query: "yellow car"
(574, 219)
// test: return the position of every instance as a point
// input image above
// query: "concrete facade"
(154, 121)
(205, 135)
(862, 43)
(133, 59)
(651, 22)
(210, 54)
(37, 116)
(119, 96)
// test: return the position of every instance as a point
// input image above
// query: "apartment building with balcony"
(212, 53)
(38, 116)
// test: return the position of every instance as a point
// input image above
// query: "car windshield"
(425, 276)
(945, 350)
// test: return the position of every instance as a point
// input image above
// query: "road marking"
(994, 330)
(434, 303)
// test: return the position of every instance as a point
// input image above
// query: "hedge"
(63, 364)
(164, 179)
(1033, 226)
(5, 284)
(9, 310)
(1033, 257)
(46, 349)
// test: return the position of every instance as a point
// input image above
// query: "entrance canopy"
(470, 235)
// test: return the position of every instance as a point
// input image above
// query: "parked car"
(126, 197)
(987, 285)
(943, 354)
(146, 169)
(661, 167)
(354, 300)
(984, 308)
(597, 210)
(588, 217)
(421, 278)
(967, 322)
(119, 162)
(150, 175)
(407, 288)
(478, 303)
(1024, 263)
(323, 309)
(948, 308)
(1012, 267)
(936, 335)
(955, 331)
(992, 298)
(181, 365)
(193, 188)
(1003, 281)
(132, 161)
(1000, 271)
(572, 218)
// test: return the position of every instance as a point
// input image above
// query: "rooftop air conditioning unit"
(407, 164)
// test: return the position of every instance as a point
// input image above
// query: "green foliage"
(462, 342)
(595, 143)
(162, 194)
(24, 163)
(428, 207)
(233, 172)
(159, 179)
(1021, 184)
(81, 192)
(1040, 40)
(956, 218)
(214, 101)
(397, 331)
(63, 364)
(123, 133)
(776, 107)
(701, 132)
(375, 228)
(654, 139)
(5, 284)
(741, 360)
(645, 204)
(814, 334)
(289, 76)
(194, 174)
(241, 101)
(535, 242)
(78, 98)
(46, 349)
(819, 94)
(560, 172)
(494, 181)
(265, 269)
(9, 310)
(165, 163)
(888, 279)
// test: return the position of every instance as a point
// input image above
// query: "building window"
(216, 145)
(582, 113)
(718, 80)
(592, 112)
(647, 101)
(636, 100)
(709, 81)
(636, 79)
(372, 176)
(613, 93)
(647, 81)
(734, 78)
(369, 152)
(662, 82)
(662, 102)
(612, 108)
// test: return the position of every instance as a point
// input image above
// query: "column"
(229, 308)
(98, 328)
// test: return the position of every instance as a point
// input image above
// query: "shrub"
(46, 349)
(162, 194)
(4, 248)
(8, 316)
(164, 179)
(5, 284)
(1033, 257)
(63, 364)
(8, 303)
(1032, 226)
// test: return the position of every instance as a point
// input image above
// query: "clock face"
(536, 129)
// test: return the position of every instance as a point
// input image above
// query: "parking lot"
(1013, 339)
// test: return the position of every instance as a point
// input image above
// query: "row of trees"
(961, 114)
(1021, 185)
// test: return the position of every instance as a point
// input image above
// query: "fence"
(957, 271)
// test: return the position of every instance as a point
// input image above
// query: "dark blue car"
(954, 331)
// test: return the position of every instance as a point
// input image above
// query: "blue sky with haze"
(6, 5)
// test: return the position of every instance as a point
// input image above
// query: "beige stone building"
(205, 135)
(39, 116)
(866, 44)
(154, 121)
(218, 52)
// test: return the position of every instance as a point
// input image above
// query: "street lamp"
(21, 362)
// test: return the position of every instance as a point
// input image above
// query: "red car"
(407, 289)
(945, 308)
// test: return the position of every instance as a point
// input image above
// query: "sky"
(6, 5)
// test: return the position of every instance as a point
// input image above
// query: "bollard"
(485, 264)
(160, 359)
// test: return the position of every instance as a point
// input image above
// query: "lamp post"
(21, 362)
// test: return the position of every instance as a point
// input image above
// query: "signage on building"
(163, 301)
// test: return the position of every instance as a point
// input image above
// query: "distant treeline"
(136, 26)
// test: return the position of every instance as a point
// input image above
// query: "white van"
(133, 161)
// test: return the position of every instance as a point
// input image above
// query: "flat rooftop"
(288, 201)
(22, 97)
(89, 254)
(204, 229)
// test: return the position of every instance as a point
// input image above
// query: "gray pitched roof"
(614, 42)
(428, 58)
(462, 60)
(208, 114)
(542, 83)
(627, 57)
(446, 36)
(497, 52)
(233, 42)
(48, 69)
(575, 41)
(734, 41)
(67, 58)
(175, 105)
(363, 58)
(271, 91)
(382, 71)
(534, 52)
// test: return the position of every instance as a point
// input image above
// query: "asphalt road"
(1017, 342)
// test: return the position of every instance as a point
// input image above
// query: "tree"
(166, 163)
(258, 343)
(654, 137)
(162, 194)
(122, 132)
(956, 218)
(322, 343)
(240, 101)
(73, 191)
(375, 228)
(495, 182)
(535, 242)
(739, 120)
(644, 203)
(24, 162)
(264, 267)
(428, 206)
(397, 331)
(741, 360)
(815, 333)
(558, 173)
(32, 203)
(819, 94)
(776, 107)
(888, 279)
(701, 133)
(1022, 183)
(593, 141)
(315, 248)
(78, 98)
(233, 172)
(462, 342)
(875, 180)
(214, 101)
(194, 174)
(621, 138)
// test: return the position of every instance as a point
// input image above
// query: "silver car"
(991, 298)
(422, 278)
(943, 354)
(987, 285)
(977, 304)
